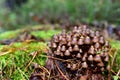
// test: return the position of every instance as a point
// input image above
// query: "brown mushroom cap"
(90, 58)
(97, 58)
(78, 55)
(91, 50)
(87, 40)
(84, 65)
(63, 48)
(76, 48)
(67, 53)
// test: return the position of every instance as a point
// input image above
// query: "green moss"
(8, 34)
(15, 61)
(116, 45)
(46, 35)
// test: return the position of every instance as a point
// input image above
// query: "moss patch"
(116, 45)
(8, 35)
(40, 31)
(17, 57)
(46, 35)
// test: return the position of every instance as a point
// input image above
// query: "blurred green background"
(33, 12)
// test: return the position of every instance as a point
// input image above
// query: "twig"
(56, 58)
(118, 72)
(22, 73)
(113, 71)
(61, 71)
(113, 58)
(45, 69)
(31, 60)
(53, 77)
(4, 53)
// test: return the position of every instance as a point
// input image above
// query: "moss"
(116, 45)
(8, 34)
(41, 31)
(46, 35)
(14, 63)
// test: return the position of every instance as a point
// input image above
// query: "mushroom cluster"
(81, 49)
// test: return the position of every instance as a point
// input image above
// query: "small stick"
(113, 71)
(31, 60)
(45, 69)
(61, 72)
(113, 58)
(56, 58)
(118, 72)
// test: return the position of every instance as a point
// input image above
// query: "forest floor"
(21, 49)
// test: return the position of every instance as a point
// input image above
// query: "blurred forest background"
(20, 13)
